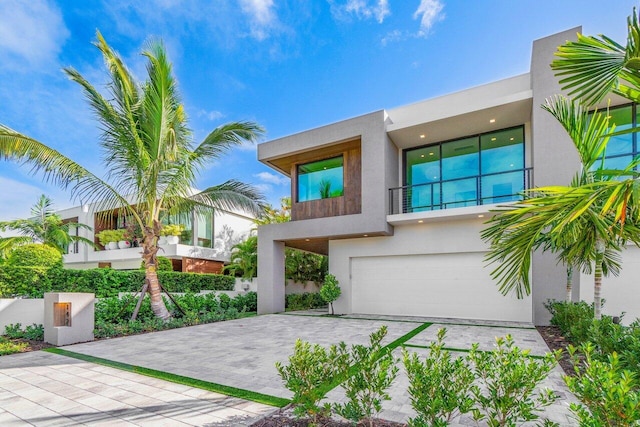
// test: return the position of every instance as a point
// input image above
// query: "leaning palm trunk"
(152, 284)
(597, 281)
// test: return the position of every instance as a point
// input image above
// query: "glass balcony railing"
(485, 189)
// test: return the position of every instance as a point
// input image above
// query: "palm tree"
(148, 152)
(565, 220)
(244, 258)
(44, 226)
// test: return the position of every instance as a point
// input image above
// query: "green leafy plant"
(608, 393)
(330, 291)
(439, 385)
(8, 347)
(325, 189)
(310, 367)
(504, 394)
(304, 301)
(373, 371)
(32, 332)
(34, 255)
(13, 331)
(172, 230)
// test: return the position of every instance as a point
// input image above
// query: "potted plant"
(172, 232)
(108, 239)
(124, 239)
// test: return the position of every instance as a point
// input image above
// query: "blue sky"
(289, 65)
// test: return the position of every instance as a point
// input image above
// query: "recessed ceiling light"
(420, 222)
(423, 136)
(511, 165)
(365, 235)
(431, 154)
(511, 139)
(493, 139)
(421, 155)
(492, 121)
(480, 216)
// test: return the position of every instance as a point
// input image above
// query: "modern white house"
(397, 199)
(204, 245)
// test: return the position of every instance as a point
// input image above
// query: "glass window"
(487, 168)
(205, 230)
(186, 220)
(321, 180)
(621, 144)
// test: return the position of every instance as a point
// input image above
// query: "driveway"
(242, 353)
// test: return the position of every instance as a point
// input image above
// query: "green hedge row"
(104, 282)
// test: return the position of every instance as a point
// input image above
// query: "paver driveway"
(242, 353)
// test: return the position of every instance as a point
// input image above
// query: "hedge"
(104, 282)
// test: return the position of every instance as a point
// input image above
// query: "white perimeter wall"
(432, 269)
(24, 311)
(622, 293)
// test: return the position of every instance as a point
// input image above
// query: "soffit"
(489, 119)
(283, 164)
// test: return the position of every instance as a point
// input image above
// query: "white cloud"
(18, 198)
(361, 9)
(31, 31)
(262, 16)
(210, 115)
(272, 178)
(431, 11)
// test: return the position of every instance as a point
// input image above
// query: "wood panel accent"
(330, 150)
(348, 204)
(104, 265)
(197, 265)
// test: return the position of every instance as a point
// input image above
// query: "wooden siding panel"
(348, 204)
(196, 265)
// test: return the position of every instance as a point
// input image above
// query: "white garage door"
(440, 285)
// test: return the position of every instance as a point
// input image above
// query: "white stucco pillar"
(270, 275)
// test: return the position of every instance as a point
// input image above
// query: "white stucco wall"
(622, 293)
(23, 311)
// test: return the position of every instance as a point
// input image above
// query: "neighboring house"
(204, 246)
(397, 199)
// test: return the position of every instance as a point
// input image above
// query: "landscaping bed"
(555, 340)
(286, 418)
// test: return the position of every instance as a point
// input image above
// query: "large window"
(321, 180)
(622, 148)
(481, 169)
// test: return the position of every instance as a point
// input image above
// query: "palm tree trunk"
(149, 255)
(569, 282)
(597, 281)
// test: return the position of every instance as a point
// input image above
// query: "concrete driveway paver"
(240, 353)
(46, 389)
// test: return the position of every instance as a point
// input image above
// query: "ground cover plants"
(497, 388)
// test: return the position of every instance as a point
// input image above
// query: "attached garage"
(454, 285)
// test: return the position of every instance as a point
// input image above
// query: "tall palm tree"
(44, 226)
(565, 220)
(149, 154)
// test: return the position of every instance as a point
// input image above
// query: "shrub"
(310, 368)
(330, 291)
(507, 378)
(304, 301)
(573, 319)
(246, 302)
(374, 369)
(32, 332)
(104, 282)
(164, 264)
(7, 347)
(439, 386)
(34, 255)
(609, 393)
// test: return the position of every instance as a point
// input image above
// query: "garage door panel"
(440, 285)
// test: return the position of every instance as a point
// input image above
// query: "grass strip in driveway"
(346, 317)
(464, 350)
(178, 379)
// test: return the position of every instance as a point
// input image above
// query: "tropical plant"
(44, 226)
(109, 236)
(272, 215)
(330, 291)
(148, 151)
(244, 259)
(561, 219)
(34, 255)
(172, 230)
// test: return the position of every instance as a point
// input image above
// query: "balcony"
(486, 189)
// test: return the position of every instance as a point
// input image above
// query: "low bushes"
(304, 301)
(499, 387)
(113, 314)
(104, 282)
